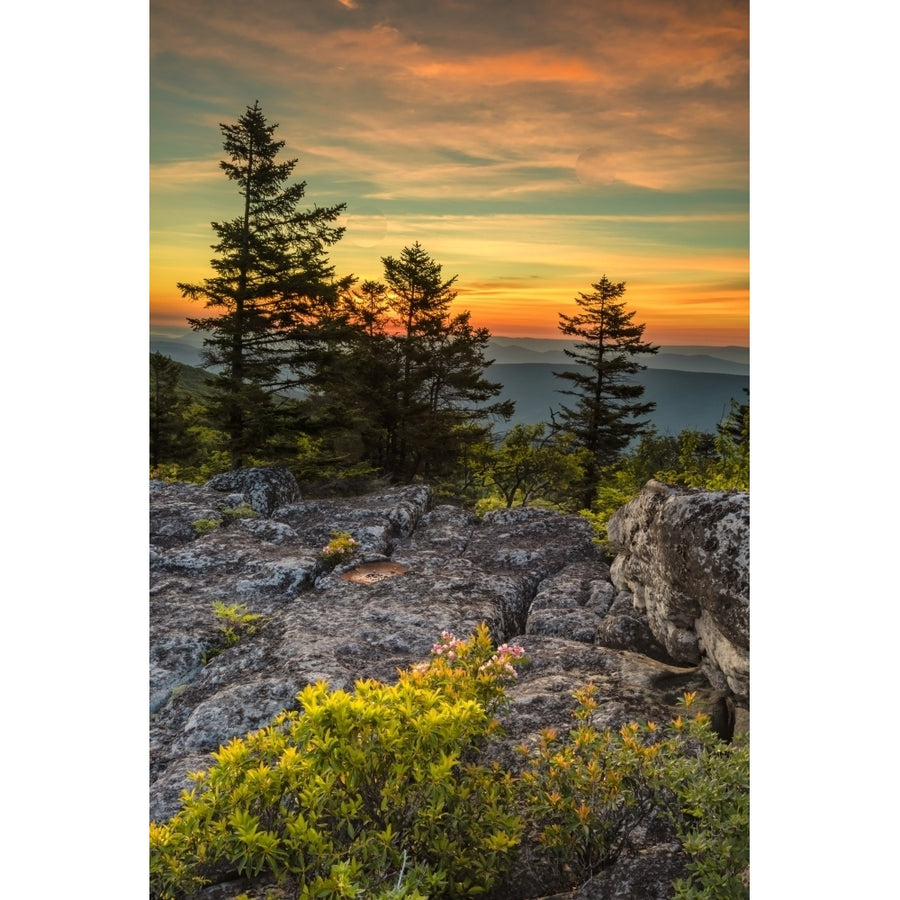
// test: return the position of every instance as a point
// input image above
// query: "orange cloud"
(530, 66)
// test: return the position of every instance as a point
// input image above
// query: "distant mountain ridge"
(725, 360)
(184, 346)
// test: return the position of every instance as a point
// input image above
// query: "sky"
(531, 147)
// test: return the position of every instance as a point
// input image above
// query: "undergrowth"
(384, 792)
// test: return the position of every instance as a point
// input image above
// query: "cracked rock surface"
(671, 613)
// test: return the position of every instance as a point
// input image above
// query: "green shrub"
(242, 511)
(710, 807)
(381, 793)
(584, 796)
(375, 793)
(205, 526)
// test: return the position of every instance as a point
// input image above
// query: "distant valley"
(695, 400)
(691, 386)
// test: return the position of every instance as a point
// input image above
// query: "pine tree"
(607, 415)
(442, 389)
(409, 380)
(272, 278)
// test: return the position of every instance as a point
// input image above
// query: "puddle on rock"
(368, 573)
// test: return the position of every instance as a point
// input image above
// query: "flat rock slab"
(449, 570)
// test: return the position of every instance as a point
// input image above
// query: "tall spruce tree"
(272, 278)
(442, 388)
(609, 408)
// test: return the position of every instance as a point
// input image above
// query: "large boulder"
(684, 559)
(264, 488)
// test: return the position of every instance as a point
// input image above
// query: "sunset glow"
(530, 148)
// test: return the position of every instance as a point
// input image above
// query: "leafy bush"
(376, 792)
(381, 793)
(586, 795)
(710, 807)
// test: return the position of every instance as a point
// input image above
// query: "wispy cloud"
(456, 106)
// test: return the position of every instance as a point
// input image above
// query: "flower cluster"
(448, 646)
(341, 547)
(499, 665)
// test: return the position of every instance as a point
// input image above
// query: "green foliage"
(242, 511)
(170, 437)
(718, 462)
(377, 792)
(236, 621)
(206, 458)
(709, 791)
(205, 526)
(340, 548)
(584, 796)
(381, 793)
(694, 459)
(531, 465)
(328, 461)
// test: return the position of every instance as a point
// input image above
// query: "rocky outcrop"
(536, 577)
(685, 561)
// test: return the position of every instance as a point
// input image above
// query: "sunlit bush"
(378, 792)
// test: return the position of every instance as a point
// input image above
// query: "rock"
(646, 875)
(685, 559)
(573, 603)
(264, 489)
(459, 571)
(536, 578)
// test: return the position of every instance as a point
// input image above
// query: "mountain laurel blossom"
(500, 664)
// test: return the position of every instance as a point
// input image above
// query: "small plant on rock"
(243, 511)
(340, 548)
(236, 622)
(205, 526)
